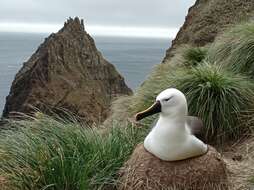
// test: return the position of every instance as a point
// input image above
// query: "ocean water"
(134, 58)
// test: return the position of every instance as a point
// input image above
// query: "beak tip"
(137, 117)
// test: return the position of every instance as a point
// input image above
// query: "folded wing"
(195, 124)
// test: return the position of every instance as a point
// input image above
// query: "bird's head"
(169, 103)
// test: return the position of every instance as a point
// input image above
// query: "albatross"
(172, 138)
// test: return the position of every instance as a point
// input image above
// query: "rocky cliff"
(207, 18)
(66, 72)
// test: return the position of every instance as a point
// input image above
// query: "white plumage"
(171, 138)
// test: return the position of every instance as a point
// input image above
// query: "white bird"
(172, 136)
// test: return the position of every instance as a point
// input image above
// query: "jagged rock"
(66, 72)
(207, 18)
(143, 171)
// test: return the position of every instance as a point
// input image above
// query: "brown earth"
(66, 72)
(239, 159)
(3, 184)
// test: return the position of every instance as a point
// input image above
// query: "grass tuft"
(49, 154)
(194, 55)
(235, 48)
(218, 96)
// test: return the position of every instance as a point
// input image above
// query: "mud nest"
(143, 171)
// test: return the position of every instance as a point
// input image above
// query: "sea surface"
(134, 58)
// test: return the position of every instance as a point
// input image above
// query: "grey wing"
(195, 124)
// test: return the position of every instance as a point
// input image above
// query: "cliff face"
(207, 18)
(66, 72)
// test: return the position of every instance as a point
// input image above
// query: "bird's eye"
(167, 99)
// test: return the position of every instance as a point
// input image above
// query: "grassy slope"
(48, 154)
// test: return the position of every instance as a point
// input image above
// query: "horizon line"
(94, 30)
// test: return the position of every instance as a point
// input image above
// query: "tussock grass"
(218, 96)
(235, 48)
(194, 55)
(50, 154)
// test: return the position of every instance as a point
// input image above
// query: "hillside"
(66, 73)
(208, 18)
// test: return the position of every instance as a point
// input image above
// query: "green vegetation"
(235, 48)
(217, 96)
(48, 154)
(252, 180)
(194, 55)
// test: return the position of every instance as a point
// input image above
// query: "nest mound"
(144, 171)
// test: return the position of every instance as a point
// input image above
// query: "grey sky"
(152, 13)
(137, 18)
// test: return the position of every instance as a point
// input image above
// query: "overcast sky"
(164, 15)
